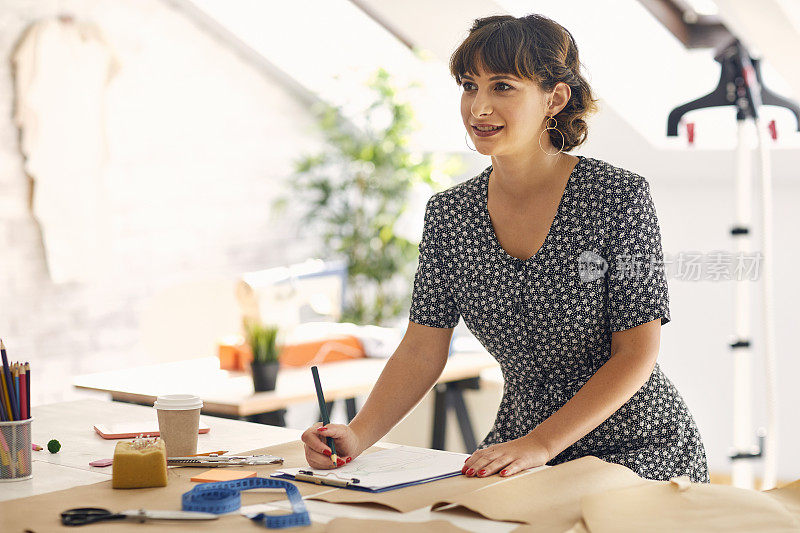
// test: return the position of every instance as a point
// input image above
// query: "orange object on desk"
(222, 474)
(237, 356)
(228, 356)
(327, 350)
(234, 354)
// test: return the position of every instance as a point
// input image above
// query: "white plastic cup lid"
(178, 402)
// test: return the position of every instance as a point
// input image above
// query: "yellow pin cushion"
(139, 464)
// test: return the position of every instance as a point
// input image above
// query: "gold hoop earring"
(466, 133)
(553, 127)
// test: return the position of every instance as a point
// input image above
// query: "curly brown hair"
(537, 48)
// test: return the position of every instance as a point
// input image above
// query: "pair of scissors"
(89, 515)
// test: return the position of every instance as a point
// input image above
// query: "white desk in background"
(230, 394)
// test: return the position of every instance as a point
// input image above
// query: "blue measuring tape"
(225, 496)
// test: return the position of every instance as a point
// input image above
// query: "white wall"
(200, 143)
(694, 197)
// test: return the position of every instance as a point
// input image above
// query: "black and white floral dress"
(548, 319)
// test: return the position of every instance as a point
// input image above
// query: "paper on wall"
(62, 70)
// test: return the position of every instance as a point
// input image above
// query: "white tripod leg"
(770, 364)
(742, 469)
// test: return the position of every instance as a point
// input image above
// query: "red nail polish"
(349, 459)
(470, 472)
(482, 472)
(464, 469)
(339, 461)
(327, 452)
(323, 428)
(504, 472)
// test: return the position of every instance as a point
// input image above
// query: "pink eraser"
(102, 462)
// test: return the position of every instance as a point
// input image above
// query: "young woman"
(509, 251)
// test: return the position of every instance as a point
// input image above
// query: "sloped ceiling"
(637, 68)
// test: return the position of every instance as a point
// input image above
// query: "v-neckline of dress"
(556, 219)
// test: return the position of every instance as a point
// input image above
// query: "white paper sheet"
(393, 466)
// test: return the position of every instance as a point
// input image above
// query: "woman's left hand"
(508, 458)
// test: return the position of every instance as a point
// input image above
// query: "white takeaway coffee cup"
(179, 422)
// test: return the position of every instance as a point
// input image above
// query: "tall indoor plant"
(263, 341)
(353, 193)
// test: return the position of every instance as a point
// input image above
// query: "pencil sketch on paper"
(403, 459)
(393, 466)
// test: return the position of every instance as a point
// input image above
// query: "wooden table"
(71, 423)
(230, 394)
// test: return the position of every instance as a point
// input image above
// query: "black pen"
(323, 410)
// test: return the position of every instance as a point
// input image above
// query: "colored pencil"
(3, 443)
(23, 394)
(5, 454)
(323, 409)
(28, 384)
(16, 391)
(13, 390)
(7, 378)
(5, 451)
(6, 398)
(3, 408)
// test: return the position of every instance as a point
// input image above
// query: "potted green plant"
(262, 340)
(354, 192)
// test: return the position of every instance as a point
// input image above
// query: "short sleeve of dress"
(637, 283)
(432, 301)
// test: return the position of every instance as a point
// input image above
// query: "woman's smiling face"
(517, 104)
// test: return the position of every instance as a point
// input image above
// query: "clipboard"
(384, 470)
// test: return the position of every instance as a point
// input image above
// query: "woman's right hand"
(318, 454)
